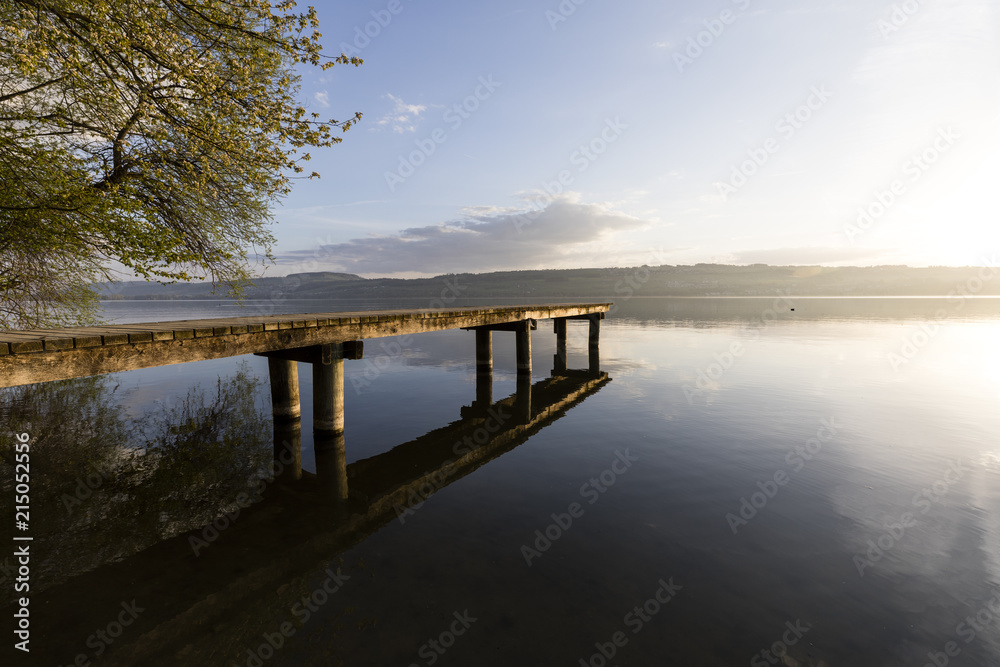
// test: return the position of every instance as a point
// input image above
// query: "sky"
(532, 134)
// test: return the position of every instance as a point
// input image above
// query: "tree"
(152, 133)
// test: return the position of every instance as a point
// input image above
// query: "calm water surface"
(747, 485)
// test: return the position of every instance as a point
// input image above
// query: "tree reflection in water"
(105, 485)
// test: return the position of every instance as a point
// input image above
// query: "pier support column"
(286, 410)
(484, 367)
(523, 343)
(595, 342)
(284, 388)
(559, 361)
(328, 391)
(484, 351)
(595, 329)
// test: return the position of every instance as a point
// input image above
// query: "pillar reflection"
(331, 463)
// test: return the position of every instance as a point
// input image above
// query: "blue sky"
(548, 134)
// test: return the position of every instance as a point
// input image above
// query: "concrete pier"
(323, 340)
(44, 355)
(280, 544)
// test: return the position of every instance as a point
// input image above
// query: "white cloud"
(403, 116)
(323, 98)
(562, 232)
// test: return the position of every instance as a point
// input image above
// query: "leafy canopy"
(154, 133)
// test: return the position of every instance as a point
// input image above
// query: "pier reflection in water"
(208, 592)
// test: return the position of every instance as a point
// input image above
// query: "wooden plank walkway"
(45, 355)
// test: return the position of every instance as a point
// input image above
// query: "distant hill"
(697, 280)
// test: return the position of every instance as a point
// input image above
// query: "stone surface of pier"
(44, 355)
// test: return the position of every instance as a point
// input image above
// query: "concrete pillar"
(287, 412)
(328, 391)
(559, 362)
(595, 330)
(524, 349)
(595, 343)
(484, 368)
(284, 389)
(484, 351)
(331, 464)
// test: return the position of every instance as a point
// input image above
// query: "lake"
(774, 480)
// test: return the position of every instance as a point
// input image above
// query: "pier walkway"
(323, 340)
